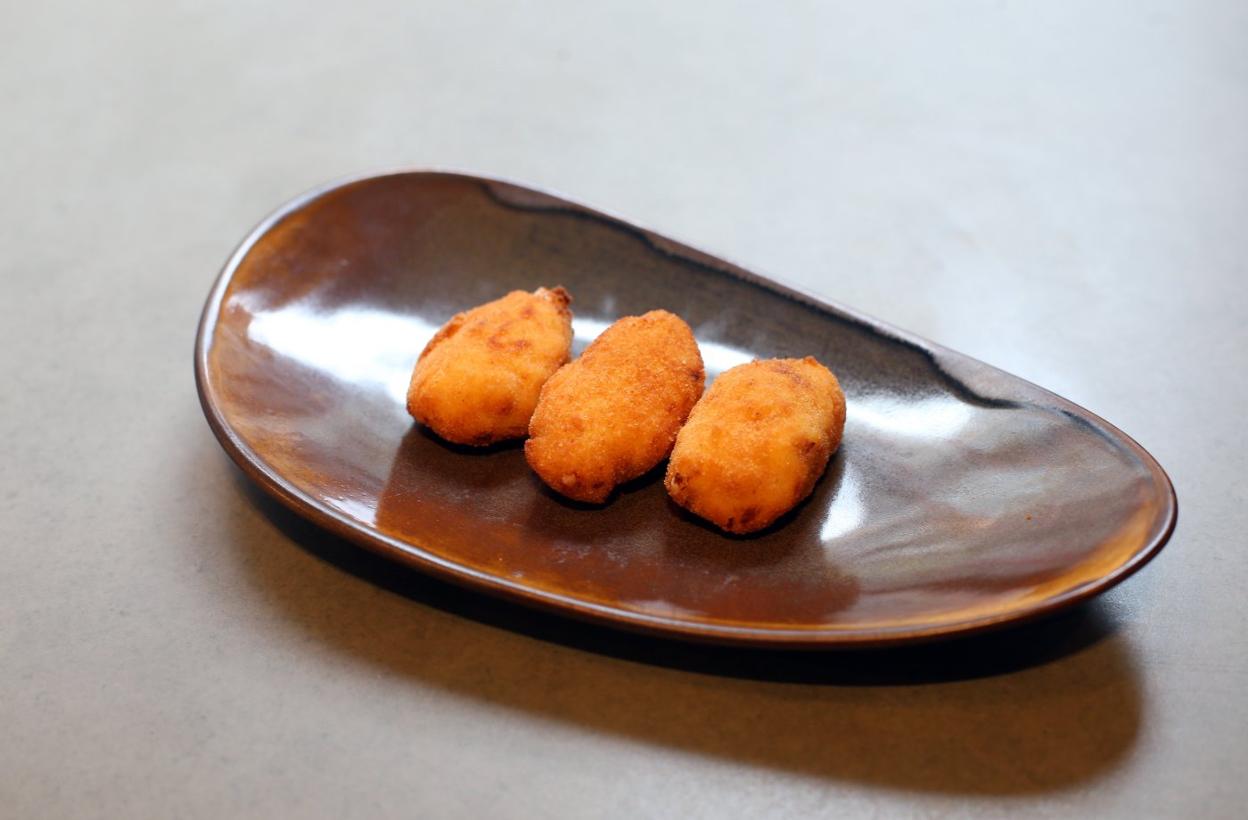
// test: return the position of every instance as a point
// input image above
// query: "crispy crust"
(478, 379)
(613, 414)
(757, 442)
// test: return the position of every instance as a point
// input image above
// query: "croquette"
(479, 378)
(613, 414)
(757, 442)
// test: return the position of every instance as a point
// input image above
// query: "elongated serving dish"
(963, 497)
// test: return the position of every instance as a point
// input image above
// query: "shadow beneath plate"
(1037, 708)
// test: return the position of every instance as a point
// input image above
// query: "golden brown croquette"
(757, 442)
(478, 379)
(613, 414)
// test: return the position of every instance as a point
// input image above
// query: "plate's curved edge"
(418, 556)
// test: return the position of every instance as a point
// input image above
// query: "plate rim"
(419, 557)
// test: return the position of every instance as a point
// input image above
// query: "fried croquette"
(757, 442)
(613, 414)
(479, 378)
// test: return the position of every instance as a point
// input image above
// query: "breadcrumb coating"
(479, 378)
(613, 414)
(757, 442)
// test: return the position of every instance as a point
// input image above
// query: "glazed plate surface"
(962, 499)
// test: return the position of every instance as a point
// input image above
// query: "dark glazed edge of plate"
(416, 556)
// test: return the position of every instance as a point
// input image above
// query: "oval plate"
(963, 498)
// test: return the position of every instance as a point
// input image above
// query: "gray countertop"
(1060, 189)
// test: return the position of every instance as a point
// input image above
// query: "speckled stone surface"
(1056, 189)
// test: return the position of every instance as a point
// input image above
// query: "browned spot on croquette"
(478, 379)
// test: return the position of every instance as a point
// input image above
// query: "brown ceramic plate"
(963, 498)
